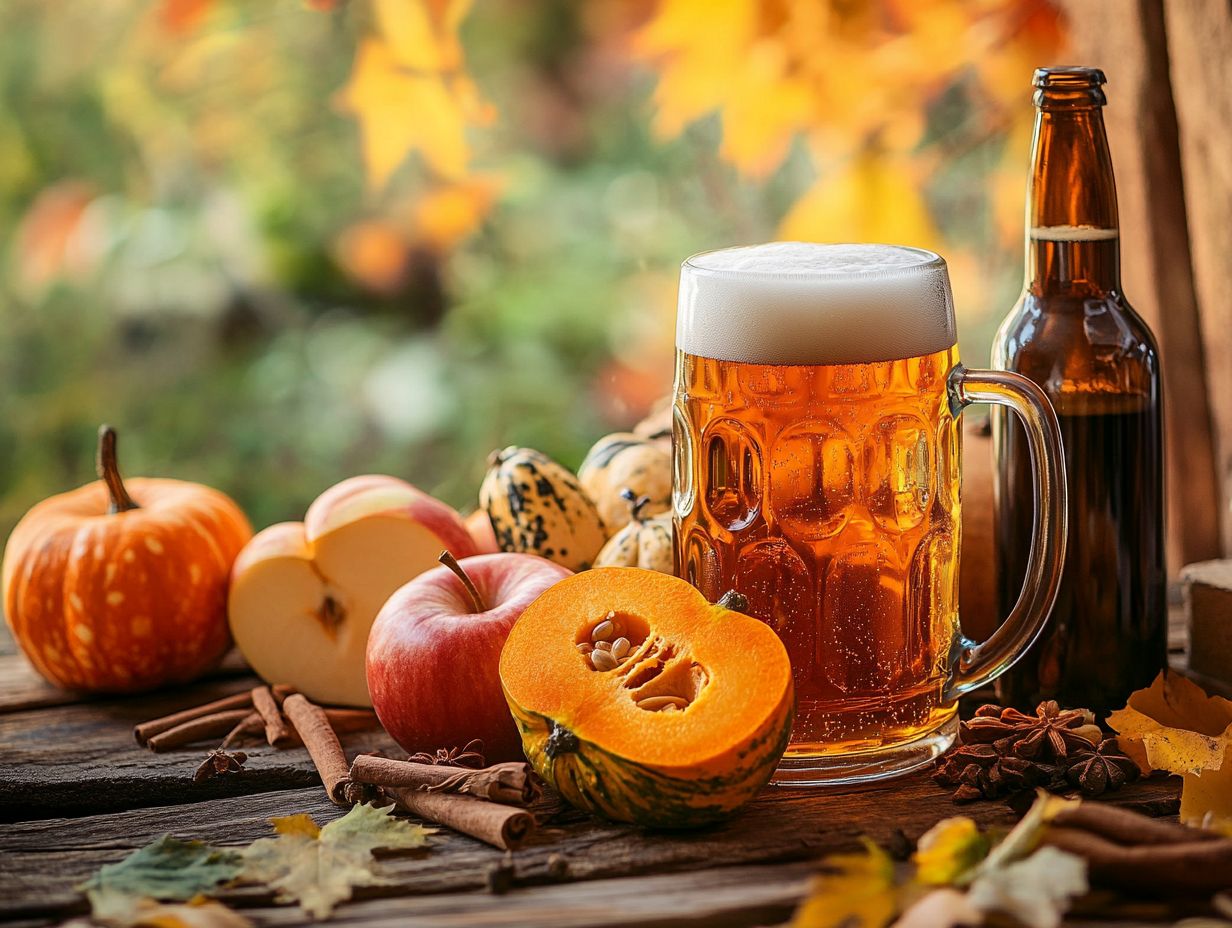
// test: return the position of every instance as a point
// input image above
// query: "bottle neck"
(1073, 244)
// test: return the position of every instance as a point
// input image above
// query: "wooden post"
(1126, 38)
(1200, 59)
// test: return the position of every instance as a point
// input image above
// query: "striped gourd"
(536, 506)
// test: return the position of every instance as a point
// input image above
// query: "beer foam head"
(803, 303)
(1072, 234)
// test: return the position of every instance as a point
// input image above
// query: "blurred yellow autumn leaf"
(441, 218)
(1173, 725)
(301, 824)
(872, 198)
(409, 93)
(855, 81)
(857, 891)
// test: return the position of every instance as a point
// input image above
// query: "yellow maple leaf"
(320, 870)
(401, 110)
(768, 108)
(301, 824)
(949, 850)
(857, 891)
(871, 198)
(1174, 725)
(423, 34)
(696, 44)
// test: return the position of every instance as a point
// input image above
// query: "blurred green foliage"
(172, 199)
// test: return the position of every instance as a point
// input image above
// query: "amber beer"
(817, 472)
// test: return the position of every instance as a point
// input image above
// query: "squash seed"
(620, 647)
(659, 703)
(603, 660)
(585, 647)
(603, 646)
(602, 631)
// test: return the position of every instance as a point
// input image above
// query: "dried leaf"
(949, 851)
(318, 869)
(169, 868)
(119, 910)
(857, 891)
(941, 908)
(1035, 891)
(1025, 836)
(1173, 725)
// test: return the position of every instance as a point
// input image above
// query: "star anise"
(1004, 751)
(1051, 735)
(219, 763)
(978, 771)
(469, 755)
(1105, 768)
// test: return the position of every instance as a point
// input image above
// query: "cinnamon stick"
(344, 721)
(511, 783)
(196, 729)
(245, 728)
(1126, 827)
(1185, 866)
(277, 731)
(147, 730)
(501, 826)
(312, 726)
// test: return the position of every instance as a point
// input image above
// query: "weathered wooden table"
(76, 792)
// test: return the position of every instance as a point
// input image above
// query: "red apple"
(434, 652)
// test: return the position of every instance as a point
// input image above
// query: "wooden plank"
(40, 861)
(1127, 41)
(21, 687)
(1200, 62)
(81, 760)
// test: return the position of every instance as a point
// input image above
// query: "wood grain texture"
(82, 759)
(1200, 62)
(40, 861)
(21, 687)
(1126, 38)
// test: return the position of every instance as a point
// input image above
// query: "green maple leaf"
(169, 868)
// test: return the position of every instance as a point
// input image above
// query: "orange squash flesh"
(732, 671)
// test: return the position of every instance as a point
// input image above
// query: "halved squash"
(640, 701)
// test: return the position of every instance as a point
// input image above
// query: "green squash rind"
(616, 788)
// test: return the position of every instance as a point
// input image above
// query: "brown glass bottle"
(1074, 334)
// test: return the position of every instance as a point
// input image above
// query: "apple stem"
(452, 563)
(109, 472)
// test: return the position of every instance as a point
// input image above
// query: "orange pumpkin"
(110, 592)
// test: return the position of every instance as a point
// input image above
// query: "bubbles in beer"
(803, 303)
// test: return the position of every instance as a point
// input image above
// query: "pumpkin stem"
(736, 602)
(636, 503)
(452, 563)
(109, 472)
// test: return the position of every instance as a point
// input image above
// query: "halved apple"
(304, 594)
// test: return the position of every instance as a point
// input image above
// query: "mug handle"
(976, 664)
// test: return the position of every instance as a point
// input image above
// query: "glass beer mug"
(816, 456)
